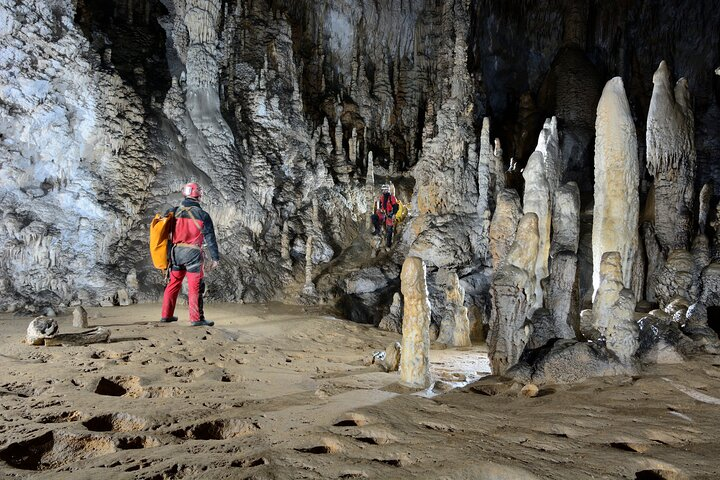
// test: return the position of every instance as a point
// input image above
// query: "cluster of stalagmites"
(537, 331)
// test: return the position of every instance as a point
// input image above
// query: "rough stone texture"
(39, 329)
(705, 199)
(675, 278)
(661, 341)
(710, 294)
(615, 215)
(73, 159)
(696, 327)
(613, 310)
(671, 159)
(392, 322)
(655, 260)
(566, 219)
(455, 325)
(537, 200)
(562, 294)
(415, 362)
(80, 317)
(566, 361)
(512, 292)
(508, 211)
(542, 328)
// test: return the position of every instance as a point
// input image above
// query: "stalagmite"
(615, 214)
(315, 213)
(415, 362)
(512, 292)
(566, 219)
(285, 241)
(537, 200)
(487, 174)
(392, 322)
(613, 310)
(499, 167)
(671, 159)
(706, 195)
(309, 287)
(675, 278)
(455, 325)
(80, 317)
(562, 292)
(353, 147)
(503, 225)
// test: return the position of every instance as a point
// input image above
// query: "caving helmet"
(385, 188)
(192, 190)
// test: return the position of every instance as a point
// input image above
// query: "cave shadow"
(126, 339)
(713, 316)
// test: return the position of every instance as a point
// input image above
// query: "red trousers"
(195, 287)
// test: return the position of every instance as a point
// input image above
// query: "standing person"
(192, 226)
(386, 206)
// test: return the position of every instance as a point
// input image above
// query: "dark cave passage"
(129, 37)
(714, 318)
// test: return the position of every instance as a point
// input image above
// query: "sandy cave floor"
(282, 392)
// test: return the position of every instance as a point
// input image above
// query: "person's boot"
(168, 319)
(202, 323)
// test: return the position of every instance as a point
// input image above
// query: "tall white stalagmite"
(615, 215)
(537, 200)
(671, 159)
(415, 359)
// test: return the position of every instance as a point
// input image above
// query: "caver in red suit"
(192, 227)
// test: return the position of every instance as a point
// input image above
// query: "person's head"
(192, 190)
(385, 188)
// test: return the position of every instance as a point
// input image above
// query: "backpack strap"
(189, 211)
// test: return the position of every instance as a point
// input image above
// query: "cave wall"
(275, 107)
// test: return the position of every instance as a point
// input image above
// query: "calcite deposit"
(414, 361)
(617, 176)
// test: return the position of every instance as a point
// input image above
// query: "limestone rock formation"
(414, 362)
(562, 294)
(566, 361)
(392, 322)
(675, 279)
(537, 200)
(613, 310)
(512, 297)
(615, 214)
(41, 328)
(455, 325)
(671, 159)
(566, 219)
(80, 317)
(696, 327)
(508, 211)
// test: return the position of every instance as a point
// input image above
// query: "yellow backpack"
(401, 213)
(160, 229)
